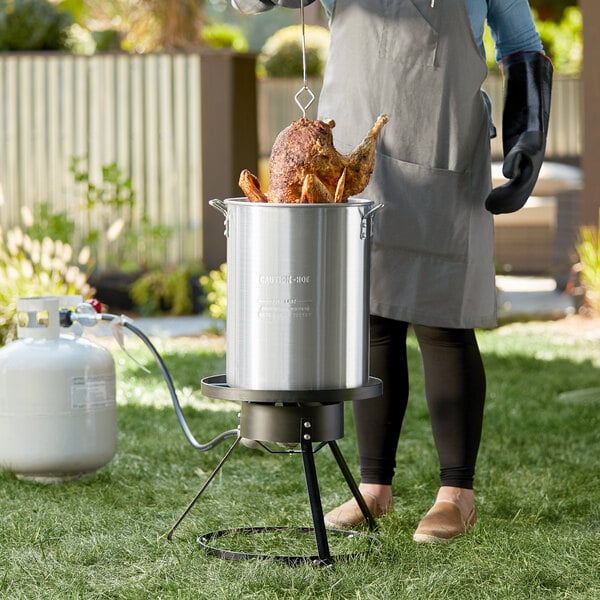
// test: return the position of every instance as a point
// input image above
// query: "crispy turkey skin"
(305, 167)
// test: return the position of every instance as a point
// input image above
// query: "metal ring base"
(290, 560)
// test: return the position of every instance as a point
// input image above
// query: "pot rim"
(351, 203)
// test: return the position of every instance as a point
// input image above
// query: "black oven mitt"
(527, 91)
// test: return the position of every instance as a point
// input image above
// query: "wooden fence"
(181, 125)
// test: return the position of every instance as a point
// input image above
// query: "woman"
(422, 62)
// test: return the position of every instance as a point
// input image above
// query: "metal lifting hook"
(304, 89)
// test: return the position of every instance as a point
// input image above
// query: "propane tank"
(57, 397)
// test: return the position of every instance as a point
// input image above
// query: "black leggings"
(455, 390)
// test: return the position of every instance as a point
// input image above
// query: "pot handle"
(222, 208)
(367, 220)
(219, 205)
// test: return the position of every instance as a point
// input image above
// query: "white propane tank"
(57, 397)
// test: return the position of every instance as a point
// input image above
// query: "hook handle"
(219, 205)
(311, 99)
(304, 89)
(222, 208)
(367, 220)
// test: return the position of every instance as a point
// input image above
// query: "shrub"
(58, 226)
(281, 55)
(33, 25)
(163, 290)
(563, 41)
(84, 41)
(111, 233)
(222, 35)
(30, 268)
(588, 268)
(215, 287)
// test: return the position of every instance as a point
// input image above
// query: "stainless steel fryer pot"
(297, 294)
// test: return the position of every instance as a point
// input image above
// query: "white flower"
(27, 216)
(114, 230)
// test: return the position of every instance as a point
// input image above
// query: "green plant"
(588, 267)
(144, 247)
(30, 267)
(223, 35)
(107, 40)
(114, 191)
(32, 25)
(552, 10)
(140, 25)
(83, 41)
(215, 287)
(563, 41)
(281, 55)
(163, 290)
(155, 25)
(109, 205)
(43, 222)
(94, 25)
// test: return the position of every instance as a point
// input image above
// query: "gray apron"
(432, 254)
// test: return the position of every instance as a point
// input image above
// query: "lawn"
(538, 493)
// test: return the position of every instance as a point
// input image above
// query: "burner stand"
(292, 418)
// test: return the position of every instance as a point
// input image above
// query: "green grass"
(538, 494)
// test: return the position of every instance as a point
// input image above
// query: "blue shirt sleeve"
(512, 27)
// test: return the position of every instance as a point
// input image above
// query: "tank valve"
(87, 313)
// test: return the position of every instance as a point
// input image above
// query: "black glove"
(254, 7)
(528, 86)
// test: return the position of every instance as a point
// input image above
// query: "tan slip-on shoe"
(349, 515)
(443, 523)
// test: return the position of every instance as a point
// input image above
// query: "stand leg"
(352, 485)
(316, 507)
(206, 484)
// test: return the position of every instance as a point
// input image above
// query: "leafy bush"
(552, 10)
(165, 290)
(109, 206)
(215, 287)
(43, 222)
(563, 41)
(30, 268)
(281, 55)
(588, 268)
(33, 25)
(222, 35)
(81, 40)
(160, 25)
